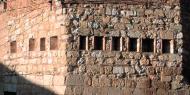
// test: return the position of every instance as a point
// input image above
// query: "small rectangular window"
(132, 44)
(53, 43)
(42, 44)
(5, 5)
(31, 44)
(166, 46)
(9, 93)
(98, 43)
(116, 43)
(82, 43)
(13, 47)
(147, 45)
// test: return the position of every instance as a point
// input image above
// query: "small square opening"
(132, 44)
(82, 43)
(98, 43)
(13, 47)
(42, 44)
(166, 46)
(147, 45)
(31, 44)
(9, 93)
(53, 43)
(116, 43)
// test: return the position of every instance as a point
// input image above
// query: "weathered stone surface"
(143, 83)
(118, 70)
(74, 80)
(118, 82)
(69, 70)
(104, 81)
(130, 83)
(166, 78)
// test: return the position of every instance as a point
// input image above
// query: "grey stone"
(129, 26)
(134, 34)
(82, 69)
(123, 13)
(97, 54)
(118, 70)
(140, 69)
(130, 13)
(180, 35)
(95, 25)
(88, 12)
(180, 50)
(76, 31)
(115, 12)
(129, 70)
(115, 20)
(90, 24)
(123, 33)
(81, 61)
(108, 11)
(76, 23)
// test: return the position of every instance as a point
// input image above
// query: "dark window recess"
(5, 5)
(13, 47)
(31, 44)
(82, 43)
(165, 46)
(53, 43)
(9, 93)
(42, 44)
(116, 43)
(133, 44)
(98, 43)
(147, 45)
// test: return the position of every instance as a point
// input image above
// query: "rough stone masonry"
(91, 47)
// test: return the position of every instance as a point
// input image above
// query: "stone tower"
(91, 47)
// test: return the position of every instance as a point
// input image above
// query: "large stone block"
(74, 80)
(48, 79)
(118, 70)
(59, 80)
(104, 81)
(143, 83)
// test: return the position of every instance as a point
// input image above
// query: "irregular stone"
(118, 82)
(118, 70)
(104, 81)
(108, 11)
(180, 35)
(95, 81)
(115, 12)
(75, 80)
(108, 69)
(144, 61)
(176, 85)
(166, 78)
(167, 71)
(130, 83)
(129, 70)
(143, 83)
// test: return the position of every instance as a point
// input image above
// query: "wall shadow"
(11, 81)
(185, 21)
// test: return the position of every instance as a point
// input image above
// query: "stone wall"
(89, 66)
(33, 72)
